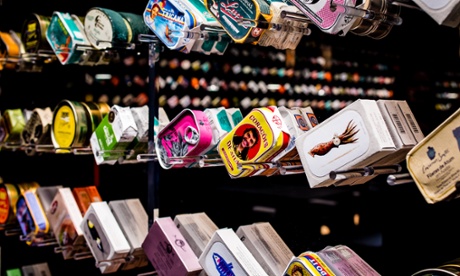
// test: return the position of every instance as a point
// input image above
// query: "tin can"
(188, 134)
(434, 163)
(70, 127)
(8, 198)
(105, 26)
(33, 34)
(260, 137)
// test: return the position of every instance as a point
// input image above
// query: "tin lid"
(434, 163)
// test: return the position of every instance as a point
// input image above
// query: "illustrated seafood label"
(356, 136)
(434, 163)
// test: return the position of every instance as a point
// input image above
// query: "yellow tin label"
(246, 143)
(64, 127)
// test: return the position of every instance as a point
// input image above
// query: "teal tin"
(64, 37)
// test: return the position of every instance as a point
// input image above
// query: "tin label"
(168, 19)
(64, 126)
(219, 261)
(434, 163)
(250, 140)
(98, 28)
(331, 148)
(4, 206)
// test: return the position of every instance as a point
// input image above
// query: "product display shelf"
(152, 171)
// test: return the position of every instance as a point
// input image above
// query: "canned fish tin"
(34, 33)
(8, 198)
(105, 26)
(259, 137)
(188, 134)
(70, 126)
(171, 23)
(434, 163)
(32, 219)
(64, 35)
(229, 14)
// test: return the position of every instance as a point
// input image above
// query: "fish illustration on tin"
(224, 268)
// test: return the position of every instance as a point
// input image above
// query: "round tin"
(136, 24)
(33, 33)
(383, 29)
(8, 197)
(104, 27)
(70, 126)
(366, 26)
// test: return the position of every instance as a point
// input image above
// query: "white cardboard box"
(197, 229)
(226, 253)
(134, 224)
(104, 237)
(354, 137)
(266, 246)
(444, 12)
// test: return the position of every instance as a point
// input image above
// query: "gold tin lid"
(434, 163)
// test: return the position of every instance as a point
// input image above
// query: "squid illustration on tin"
(347, 137)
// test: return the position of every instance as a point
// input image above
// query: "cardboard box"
(402, 136)
(113, 135)
(266, 246)
(444, 12)
(354, 137)
(226, 254)
(168, 251)
(65, 219)
(104, 237)
(197, 229)
(133, 221)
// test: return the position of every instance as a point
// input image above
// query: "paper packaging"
(400, 133)
(41, 269)
(65, 218)
(434, 163)
(444, 12)
(115, 133)
(354, 137)
(338, 264)
(104, 237)
(226, 254)
(168, 251)
(411, 121)
(133, 221)
(84, 196)
(266, 246)
(46, 195)
(361, 266)
(197, 229)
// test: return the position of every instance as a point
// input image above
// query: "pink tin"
(188, 134)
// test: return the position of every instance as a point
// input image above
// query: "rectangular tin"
(84, 196)
(434, 163)
(64, 36)
(188, 134)
(272, 137)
